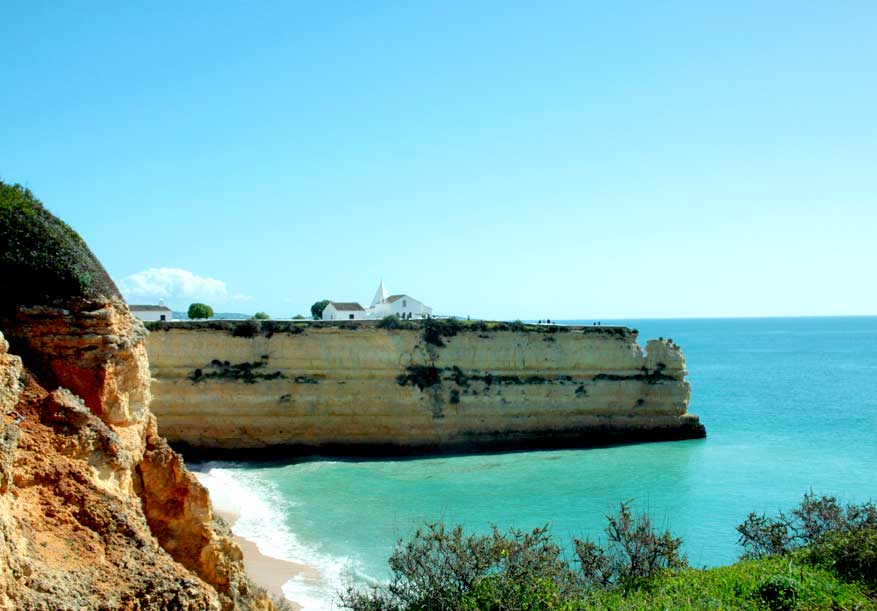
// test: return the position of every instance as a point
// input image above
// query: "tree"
(200, 310)
(261, 316)
(298, 317)
(317, 309)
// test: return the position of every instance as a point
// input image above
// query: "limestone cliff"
(96, 511)
(359, 388)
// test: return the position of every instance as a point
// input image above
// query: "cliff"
(435, 386)
(96, 511)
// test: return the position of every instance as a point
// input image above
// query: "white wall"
(151, 316)
(330, 313)
(405, 305)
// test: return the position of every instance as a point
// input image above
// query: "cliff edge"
(96, 511)
(432, 386)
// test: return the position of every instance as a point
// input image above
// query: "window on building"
(404, 303)
(163, 317)
(351, 317)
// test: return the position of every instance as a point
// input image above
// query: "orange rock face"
(96, 512)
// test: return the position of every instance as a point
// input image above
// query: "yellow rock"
(361, 388)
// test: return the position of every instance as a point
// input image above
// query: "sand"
(270, 573)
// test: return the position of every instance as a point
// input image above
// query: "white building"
(343, 310)
(152, 313)
(383, 304)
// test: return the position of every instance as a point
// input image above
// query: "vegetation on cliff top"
(822, 556)
(433, 330)
(42, 260)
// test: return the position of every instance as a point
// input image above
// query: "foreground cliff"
(433, 386)
(96, 511)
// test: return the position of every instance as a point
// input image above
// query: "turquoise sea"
(789, 404)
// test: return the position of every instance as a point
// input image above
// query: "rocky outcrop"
(96, 512)
(359, 388)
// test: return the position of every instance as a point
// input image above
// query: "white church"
(384, 304)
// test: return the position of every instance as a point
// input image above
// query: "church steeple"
(380, 295)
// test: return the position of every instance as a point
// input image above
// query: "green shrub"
(852, 554)
(814, 521)
(441, 568)
(634, 553)
(42, 259)
(394, 322)
(434, 330)
(778, 592)
(261, 316)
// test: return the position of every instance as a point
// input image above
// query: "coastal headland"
(227, 387)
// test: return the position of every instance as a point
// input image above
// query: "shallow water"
(789, 405)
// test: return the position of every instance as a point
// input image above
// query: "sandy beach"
(270, 573)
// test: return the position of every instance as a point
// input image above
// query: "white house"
(152, 313)
(383, 304)
(343, 310)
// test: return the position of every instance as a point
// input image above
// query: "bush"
(394, 322)
(441, 568)
(434, 330)
(42, 259)
(779, 593)
(813, 522)
(200, 310)
(261, 316)
(634, 553)
(298, 317)
(851, 554)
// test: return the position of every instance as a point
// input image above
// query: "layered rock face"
(360, 388)
(96, 511)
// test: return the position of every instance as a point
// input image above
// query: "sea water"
(790, 405)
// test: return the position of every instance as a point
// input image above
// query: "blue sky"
(497, 159)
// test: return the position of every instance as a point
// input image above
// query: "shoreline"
(266, 571)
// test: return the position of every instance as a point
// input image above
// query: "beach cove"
(789, 403)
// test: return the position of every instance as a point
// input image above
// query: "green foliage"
(394, 322)
(736, 587)
(779, 592)
(443, 568)
(42, 260)
(633, 555)
(814, 521)
(434, 330)
(261, 316)
(298, 317)
(638, 569)
(200, 310)
(852, 554)
(317, 309)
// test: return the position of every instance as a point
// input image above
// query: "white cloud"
(175, 286)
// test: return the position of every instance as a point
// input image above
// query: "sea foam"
(260, 512)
